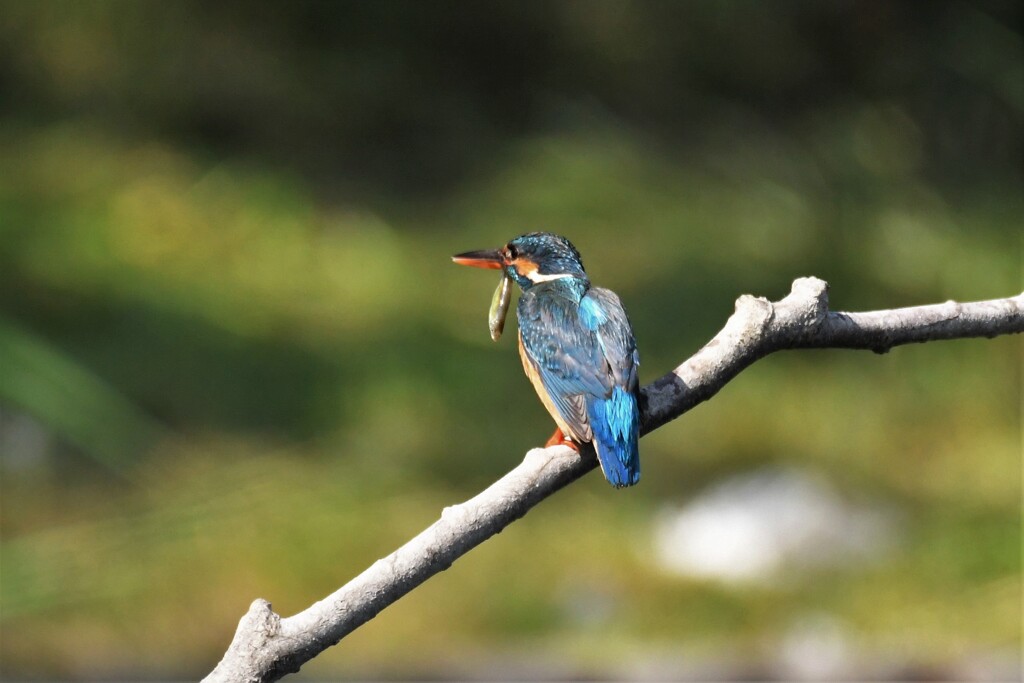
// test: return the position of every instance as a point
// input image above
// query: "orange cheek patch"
(524, 266)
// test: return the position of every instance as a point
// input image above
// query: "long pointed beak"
(484, 258)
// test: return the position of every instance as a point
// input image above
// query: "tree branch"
(266, 647)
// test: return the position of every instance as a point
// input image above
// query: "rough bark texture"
(266, 647)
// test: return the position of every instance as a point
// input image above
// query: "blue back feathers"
(592, 314)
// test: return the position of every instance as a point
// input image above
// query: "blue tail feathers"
(615, 422)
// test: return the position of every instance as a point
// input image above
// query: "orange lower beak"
(484, 258)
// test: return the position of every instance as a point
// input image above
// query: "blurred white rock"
(758, 526)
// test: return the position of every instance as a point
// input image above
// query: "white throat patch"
(534, 276)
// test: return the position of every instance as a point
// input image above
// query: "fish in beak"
(492, 259)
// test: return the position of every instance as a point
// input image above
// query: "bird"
(577, 347)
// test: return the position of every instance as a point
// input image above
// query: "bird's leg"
(560, 439)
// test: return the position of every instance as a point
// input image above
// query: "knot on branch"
(811, 288)
(807, 302)
(752, 317)
(261, 620)
(250, 656)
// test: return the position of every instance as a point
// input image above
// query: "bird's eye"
(512, 251)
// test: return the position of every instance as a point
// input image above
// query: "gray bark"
(267, 647)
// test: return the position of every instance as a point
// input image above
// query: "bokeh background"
(236, 361)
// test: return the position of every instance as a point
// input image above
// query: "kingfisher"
(577, 347)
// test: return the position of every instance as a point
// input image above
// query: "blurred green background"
(236, 361)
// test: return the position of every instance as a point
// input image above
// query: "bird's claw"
(560, 439)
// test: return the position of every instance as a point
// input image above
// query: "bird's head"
(530, 259)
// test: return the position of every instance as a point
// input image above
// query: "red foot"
(559, 439)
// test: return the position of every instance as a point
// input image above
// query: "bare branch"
(266, 647)
(801, 321)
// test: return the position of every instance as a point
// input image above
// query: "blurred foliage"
(235, 360)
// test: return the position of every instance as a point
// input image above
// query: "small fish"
(499, 307)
